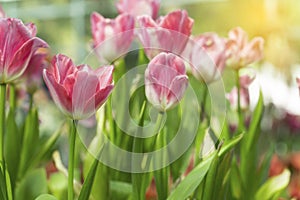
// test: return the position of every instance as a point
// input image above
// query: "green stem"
(12, 97)
(71, 160)
(161, 176)
(240, 114)
(2, 120)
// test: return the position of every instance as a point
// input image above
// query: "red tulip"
(240, 52)
(33, 74)
(208, 57)
(77, 90)
(167, 34)
(165, 81)
(139, 7)
(112, 37)
(17, 45)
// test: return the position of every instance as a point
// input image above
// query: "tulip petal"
(177, 90)
(58, 93)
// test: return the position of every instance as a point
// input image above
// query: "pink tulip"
(208, 57)
(33, 74)
(139, 7)
(112, 37)
(77, 90)
(2, 13)
(240, 52)
(167, 34)
(245, 81)
(17, 45)
(165, 81)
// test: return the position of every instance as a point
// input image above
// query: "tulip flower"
(139, 7)
(77, 90)
(240, 51)
(165, 34)
(33, 74)
(112, 37)
(17, 45)
(208, 57)
(245, 81)
(165, 81)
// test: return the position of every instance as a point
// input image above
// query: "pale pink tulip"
(112, 37)
(139, 7)
(167, 34)
(77, 90)
(207, 57)
(165, 81)
(240, 51)
(17, 45)
(245, 81)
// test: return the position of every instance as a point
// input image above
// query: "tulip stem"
(71, 160)
(240, 114)
(12, 97)
(2, 120)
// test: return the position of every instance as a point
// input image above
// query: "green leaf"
(101, 177)
(32, 185)
(273, 186)
(12, 147)
(89, 180)
(235, 181)
(46, 197)
(120, 190)
(230, 144)
(30, 140)
(192, 180)
(252, 135)
(58, 185)
(3, 191)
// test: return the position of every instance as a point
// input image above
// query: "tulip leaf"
(12, 147)
(273, 186)
(120, 190)
(230, 144)
(249, 139)
(192, 180)
(46, 197)
(32, 185)
(89, 180)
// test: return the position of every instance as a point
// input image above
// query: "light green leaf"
(46, 197)
(32, 185)
(230, 144)
(193, 179)
(120, 190)
(273, 186)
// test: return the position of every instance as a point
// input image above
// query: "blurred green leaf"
(32, 185)
(46, 197)
(192, 180)
(58, 185)
(3, 190)
(272, 187)
(120, 190)
(235, 181)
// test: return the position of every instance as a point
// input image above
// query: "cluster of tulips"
(174, 60)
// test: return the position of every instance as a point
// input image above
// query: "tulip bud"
(165, 81)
